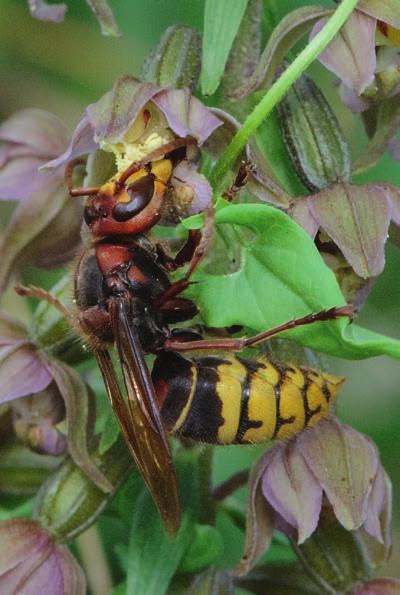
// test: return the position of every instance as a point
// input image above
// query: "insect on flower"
(125, 297)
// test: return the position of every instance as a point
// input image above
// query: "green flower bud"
(68, 503)
(175, 62)
(313, 137)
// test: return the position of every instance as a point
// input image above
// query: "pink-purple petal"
(43, 11)
(35, 575)
(19, 538)
(292, 490)
(186, 115)
(186, 175)
(301, 213)
(344, 463)
(31, 563)
(259, 526)
(351, 54)
(20, 177)
(115, 112)
(357, 219)
(73, 575)
(354, 102)
(394, 148)
(22, 372)
(42, 131)
(82, 142)
(393, 196)
(379, 501)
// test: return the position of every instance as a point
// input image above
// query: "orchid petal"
(29, 220)
(344, 463)
(352, 100)
(376, 505)
(259, 527)
(38, 129)
(81, 143)
(351, 54)
(22, 372)
(292, 490)
(115, 112)
(301, 213)
(43, 11)
(186, 176)
(31, 562)
(20, 177)
(186, 115)
(357, 219)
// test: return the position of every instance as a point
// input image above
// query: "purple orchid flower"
(45, 226)
(365, 55)
(136, 118)
(32, 562)
(331, 463)
(25, 370)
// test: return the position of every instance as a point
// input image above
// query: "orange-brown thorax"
(132, 206)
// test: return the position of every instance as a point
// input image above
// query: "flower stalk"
(278, 89)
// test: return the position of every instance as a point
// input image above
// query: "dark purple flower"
(31, 562)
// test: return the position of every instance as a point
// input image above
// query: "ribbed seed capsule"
(175, 62)
(313, 137)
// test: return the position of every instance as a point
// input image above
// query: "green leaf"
(153, 555)
(221, 23)
(206, 546)
(281, 276)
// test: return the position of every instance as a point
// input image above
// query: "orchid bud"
(312, 136)
(175, 62)
(68, 503)
(36, 418)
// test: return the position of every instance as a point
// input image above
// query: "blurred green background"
(63, 67)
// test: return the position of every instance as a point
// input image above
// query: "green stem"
(278, 89)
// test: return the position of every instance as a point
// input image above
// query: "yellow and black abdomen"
(232, 400)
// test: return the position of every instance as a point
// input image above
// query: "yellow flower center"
(148, 132)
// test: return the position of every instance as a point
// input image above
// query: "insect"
(125, 297)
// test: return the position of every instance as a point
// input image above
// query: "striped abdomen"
(233, 400)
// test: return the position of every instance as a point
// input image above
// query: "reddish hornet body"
(124, 296)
